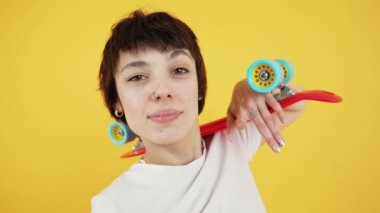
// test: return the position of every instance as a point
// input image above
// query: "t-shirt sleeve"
(102, 204)
(250, 138)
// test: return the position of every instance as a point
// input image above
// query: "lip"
(165, 116)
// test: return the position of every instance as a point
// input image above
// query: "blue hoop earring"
(120, 134)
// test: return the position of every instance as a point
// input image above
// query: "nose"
(162, 92)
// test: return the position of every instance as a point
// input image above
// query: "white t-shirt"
(219, 181)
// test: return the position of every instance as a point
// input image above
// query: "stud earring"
(120, 133)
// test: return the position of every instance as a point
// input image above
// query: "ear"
(119, 107)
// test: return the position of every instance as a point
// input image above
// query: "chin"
(166, 136)
(170, 134)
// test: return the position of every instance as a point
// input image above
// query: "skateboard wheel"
(264, 75)
(120, 134)
(288, 70)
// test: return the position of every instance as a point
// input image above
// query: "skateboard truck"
(284, 92)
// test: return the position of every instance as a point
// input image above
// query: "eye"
(180, 70)
(137, 78)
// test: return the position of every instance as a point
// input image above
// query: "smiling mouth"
(165, 116)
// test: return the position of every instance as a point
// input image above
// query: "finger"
(273, 103)
(271, 124)
(242, 118)
(276, 91)
(263, 129)
(231, 118)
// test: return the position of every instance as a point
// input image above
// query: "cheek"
(131, 102)
(134, 112)
(191, 96)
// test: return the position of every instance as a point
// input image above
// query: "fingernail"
(282, 143)
(284, 121)
(276, 149)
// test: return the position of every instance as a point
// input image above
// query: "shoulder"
(244, 142)
(115, 188)
(116, 195)
(115, 185)
(101, 203)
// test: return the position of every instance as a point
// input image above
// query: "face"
(158, 94)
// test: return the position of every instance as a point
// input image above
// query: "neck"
(179, 152)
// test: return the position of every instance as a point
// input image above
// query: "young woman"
(153, 79)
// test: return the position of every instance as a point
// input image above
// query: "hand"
(247, 105)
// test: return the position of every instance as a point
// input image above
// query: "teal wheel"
(288, 70)
(120, 134)
(264, 75)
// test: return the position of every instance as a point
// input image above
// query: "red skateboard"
(220, 124)
(263, 76)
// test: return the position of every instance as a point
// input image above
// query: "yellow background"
(54, 150)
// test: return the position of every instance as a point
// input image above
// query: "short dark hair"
(157, 30)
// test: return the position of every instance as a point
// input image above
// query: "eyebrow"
(142, 63)
(178, 52)
(134, 64)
